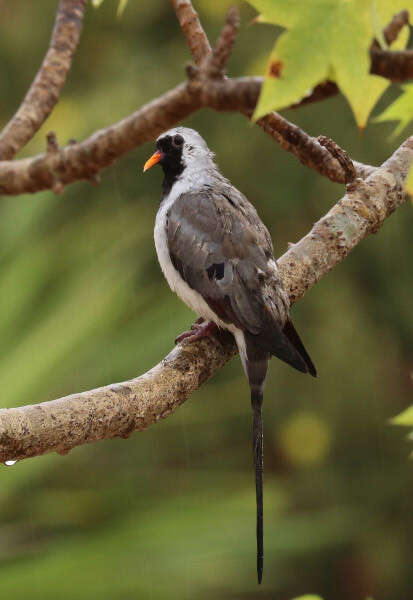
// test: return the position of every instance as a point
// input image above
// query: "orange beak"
(153, 160)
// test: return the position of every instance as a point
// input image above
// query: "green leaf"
(409, 182)
(406, 417)
(400, 110)
(323, 38)
(401, 42)
(377, 26)
(97, 3)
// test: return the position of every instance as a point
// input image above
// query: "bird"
(217, 256)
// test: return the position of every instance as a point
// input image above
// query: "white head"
(181, 152)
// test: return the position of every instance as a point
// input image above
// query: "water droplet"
(10, 463)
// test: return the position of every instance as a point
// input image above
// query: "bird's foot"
(199, 330)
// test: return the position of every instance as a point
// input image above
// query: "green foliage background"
(170, 512)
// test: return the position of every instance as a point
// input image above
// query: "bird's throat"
(172, 169)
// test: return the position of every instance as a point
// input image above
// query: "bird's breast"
(191, 297)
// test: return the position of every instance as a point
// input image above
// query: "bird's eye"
(178, 140)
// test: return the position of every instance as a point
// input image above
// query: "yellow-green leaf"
(405, 418)
(401, 42)
(400, 110)
(377, 26)
(323, 38)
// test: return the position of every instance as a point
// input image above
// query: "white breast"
(191, 297)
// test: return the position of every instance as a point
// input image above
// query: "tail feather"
(257, 432)
(275, 342)
(292, 335)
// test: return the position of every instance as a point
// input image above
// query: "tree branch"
(83, 160)
(216, 61)
(49, 81)
(392, 30)
(207, 88)
(119, 409)
(196, 37)
(394, 65)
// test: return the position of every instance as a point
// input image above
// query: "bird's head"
(179, 148)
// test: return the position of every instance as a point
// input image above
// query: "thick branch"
(120, 409)
(48, 83)
(85, 159)
(392, 64)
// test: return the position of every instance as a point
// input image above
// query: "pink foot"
(199, 330)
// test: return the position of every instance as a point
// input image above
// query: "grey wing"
(221, 248)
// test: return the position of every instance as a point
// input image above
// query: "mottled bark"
(120, 409)
(49, 81)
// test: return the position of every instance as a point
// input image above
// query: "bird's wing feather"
(222, 250)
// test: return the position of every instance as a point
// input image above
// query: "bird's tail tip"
(259, 569)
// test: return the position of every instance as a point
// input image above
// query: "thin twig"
(215, 63)
(48, 83)
(341, 156)
(52, 143)
(196, 37)
(392, 30)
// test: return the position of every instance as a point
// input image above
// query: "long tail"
(257, 432)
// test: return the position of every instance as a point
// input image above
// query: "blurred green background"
(170, 513)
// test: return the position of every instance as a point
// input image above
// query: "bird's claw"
(199, 330)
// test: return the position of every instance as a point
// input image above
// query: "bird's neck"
(171, 175)
(189, 177)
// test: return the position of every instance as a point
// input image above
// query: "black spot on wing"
(216, 270)
(219, 270)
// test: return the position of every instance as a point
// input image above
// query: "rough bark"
(120, 409)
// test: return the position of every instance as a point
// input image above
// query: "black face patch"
(172, 163)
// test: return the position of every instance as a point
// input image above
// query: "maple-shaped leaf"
(324, 39)
(400, 110)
